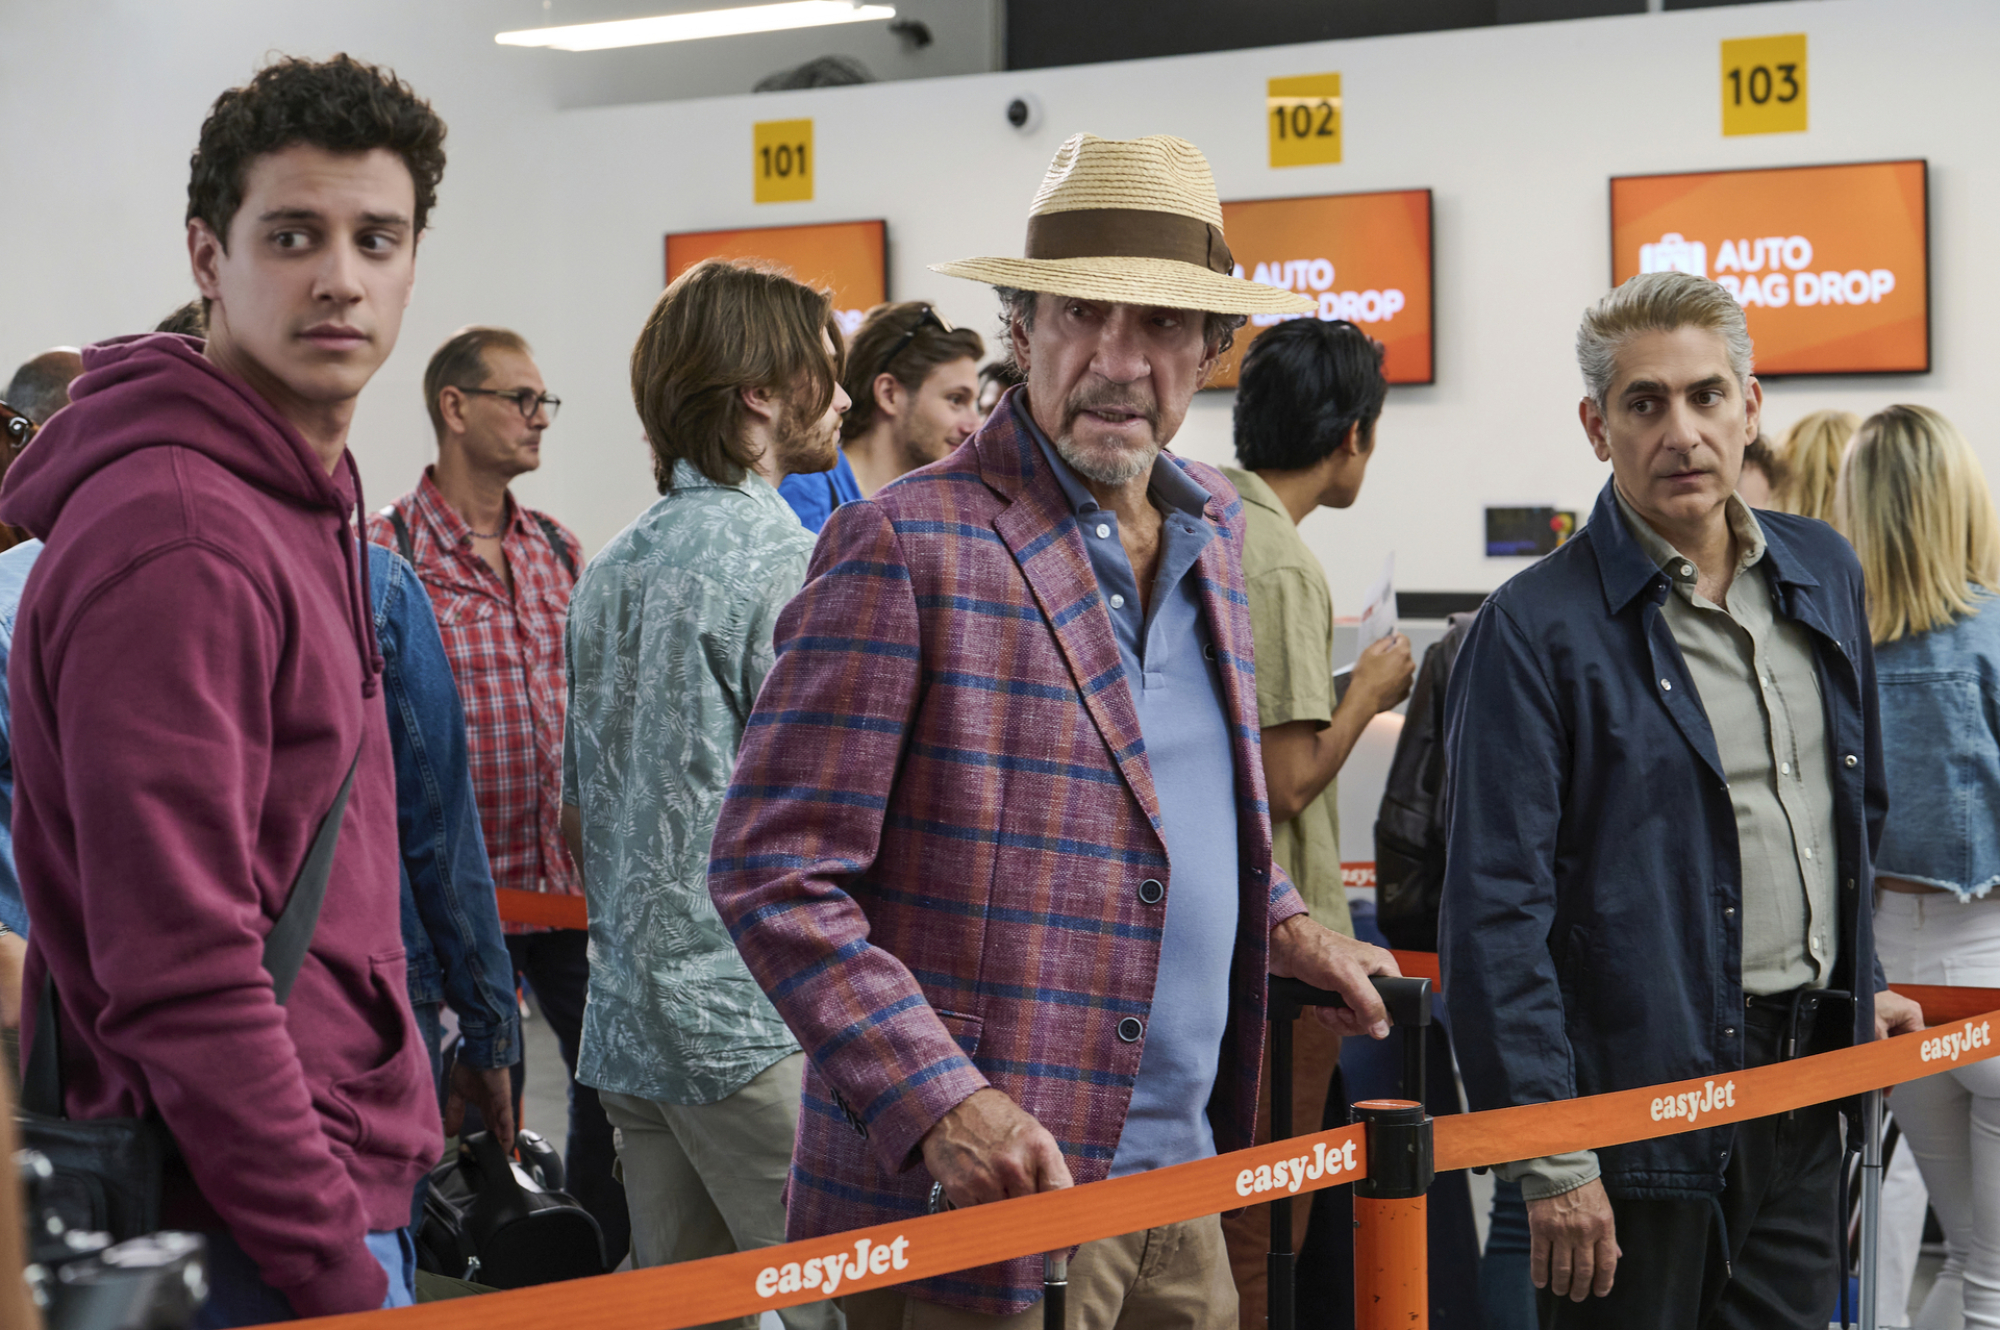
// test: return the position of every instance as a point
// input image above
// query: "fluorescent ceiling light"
(691, 27)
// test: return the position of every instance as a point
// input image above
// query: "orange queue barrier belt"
(541, 908)
(697, 1292)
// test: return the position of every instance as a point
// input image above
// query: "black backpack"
(1410, 827)
(503, 1224)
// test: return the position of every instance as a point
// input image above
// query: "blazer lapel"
(1227, 605)
(1041, 532)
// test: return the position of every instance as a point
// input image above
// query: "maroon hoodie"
(193, 670)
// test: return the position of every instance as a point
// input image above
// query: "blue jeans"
(1506, 1292)
(238, 1295)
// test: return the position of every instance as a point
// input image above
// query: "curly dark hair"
(342, 105)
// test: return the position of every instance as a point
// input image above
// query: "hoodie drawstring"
(362, 613)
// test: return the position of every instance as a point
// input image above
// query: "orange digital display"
(1365, 257)
(851, 259)
(1830, 263)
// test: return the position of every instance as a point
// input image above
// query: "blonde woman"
(1915, 504)
(1811, 453)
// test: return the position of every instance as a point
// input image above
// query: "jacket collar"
(1625, 567)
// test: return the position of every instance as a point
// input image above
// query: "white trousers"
(1951, 1121)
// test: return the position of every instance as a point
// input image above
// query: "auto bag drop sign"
(1830, 263)
(1365, 258)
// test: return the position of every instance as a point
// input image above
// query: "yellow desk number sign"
(1764, 85)
(781, 161)
(1302, 115)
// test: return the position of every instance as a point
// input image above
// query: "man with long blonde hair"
(1665, 788)
(1913, 500)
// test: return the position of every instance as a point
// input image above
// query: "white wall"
(551, 220)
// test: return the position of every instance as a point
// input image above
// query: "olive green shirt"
(1291, 620)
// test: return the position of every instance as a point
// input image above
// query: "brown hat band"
(1133, 233)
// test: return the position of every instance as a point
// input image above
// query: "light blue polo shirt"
(1183, 719)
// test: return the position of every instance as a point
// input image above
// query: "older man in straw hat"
(997, 844)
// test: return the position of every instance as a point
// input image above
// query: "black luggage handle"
(1408, 1000)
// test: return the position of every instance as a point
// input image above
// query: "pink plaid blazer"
(940, 818)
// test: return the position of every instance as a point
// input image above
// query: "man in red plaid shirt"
(500, 575)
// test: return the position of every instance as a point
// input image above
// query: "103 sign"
(781, 165)
(1764, 85)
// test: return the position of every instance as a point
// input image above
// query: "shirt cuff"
(1551, 1175)
(489, 1047)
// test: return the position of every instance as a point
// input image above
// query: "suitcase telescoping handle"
(1409, 1004)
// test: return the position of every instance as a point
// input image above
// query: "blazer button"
(1151, 892)
(1208, 651)
(1130, 1029)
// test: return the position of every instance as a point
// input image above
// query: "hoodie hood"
(158, 390)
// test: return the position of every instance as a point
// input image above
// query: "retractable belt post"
(1409, 1005)
(1871, 1200)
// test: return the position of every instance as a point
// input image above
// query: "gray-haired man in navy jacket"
(1665, 788)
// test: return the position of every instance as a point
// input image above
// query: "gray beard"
(1126, 468)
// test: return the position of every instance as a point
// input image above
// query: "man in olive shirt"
(1307, 402)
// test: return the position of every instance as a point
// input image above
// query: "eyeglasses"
(16, 427)
(929, 316)
(526, 400)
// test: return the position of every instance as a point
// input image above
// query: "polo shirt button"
(1852, 759)
(1103, 530)
(1130, 1029)
(1151, 892)
(1117, 602)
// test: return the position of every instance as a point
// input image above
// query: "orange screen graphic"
(1829, 262)
(848, 258)
(1365, 257)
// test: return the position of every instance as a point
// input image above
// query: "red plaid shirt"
(507, 657)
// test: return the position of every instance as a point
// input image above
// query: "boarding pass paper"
(1378, 612)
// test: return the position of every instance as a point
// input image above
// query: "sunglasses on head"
(16, 427)
(928, 317)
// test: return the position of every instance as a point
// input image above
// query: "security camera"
(1025, 112)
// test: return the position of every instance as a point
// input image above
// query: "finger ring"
(939, 1201)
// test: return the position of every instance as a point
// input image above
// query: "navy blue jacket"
(1591, 928)
(451, 919)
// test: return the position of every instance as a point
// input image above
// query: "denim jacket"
(1592, 921)
(1941, 740)
(451, 923)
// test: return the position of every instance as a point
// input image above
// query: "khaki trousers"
(708, 1179)
(1170, 1278)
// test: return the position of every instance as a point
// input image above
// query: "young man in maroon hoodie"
(193, 675)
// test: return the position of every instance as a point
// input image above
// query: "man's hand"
(13, 957)
(1573, 1243)
(989, 1148)
(1302, 949)
(488, 1089)
(1896, 1014)
(1383, 675)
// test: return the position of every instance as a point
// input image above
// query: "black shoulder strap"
(557, 543)
(404, 545)
(284, 952)
(285, 945)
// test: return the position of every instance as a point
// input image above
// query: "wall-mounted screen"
(851, 259)
(1365, 257)
(1830, 263)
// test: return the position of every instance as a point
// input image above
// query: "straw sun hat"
(1135, 221)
